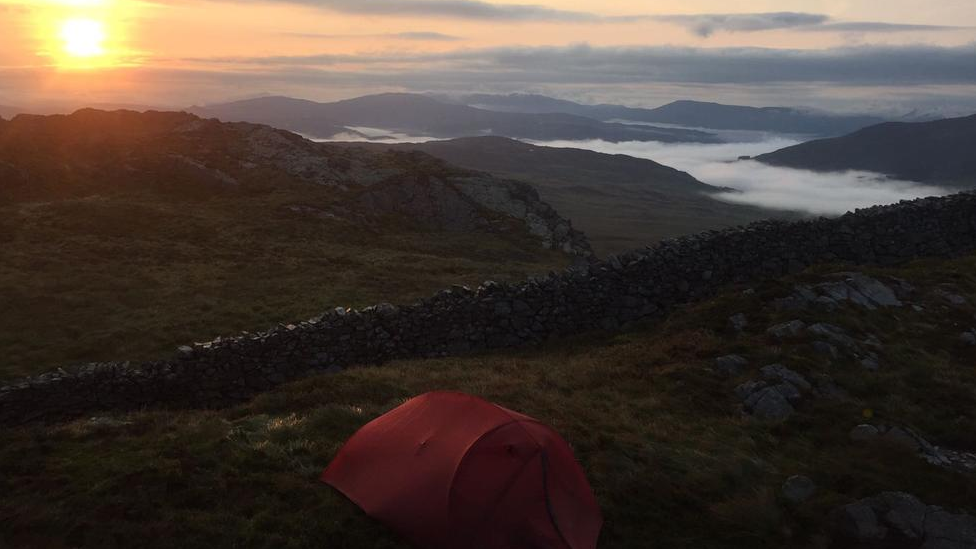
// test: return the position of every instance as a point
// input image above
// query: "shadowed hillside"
(939, 152)
(619, 201)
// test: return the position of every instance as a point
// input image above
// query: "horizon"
(886, 58)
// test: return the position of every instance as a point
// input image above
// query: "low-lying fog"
(718, 165)
(759, 184)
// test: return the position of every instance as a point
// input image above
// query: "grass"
(133, 276)
(671, 458)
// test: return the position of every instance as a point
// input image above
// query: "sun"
(83, 38)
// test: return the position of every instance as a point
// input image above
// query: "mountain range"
(685, 113)
(619, 201)
(939, 152)
(420, 115)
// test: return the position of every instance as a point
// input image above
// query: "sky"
(846, 55)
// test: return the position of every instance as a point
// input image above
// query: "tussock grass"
(130, 277)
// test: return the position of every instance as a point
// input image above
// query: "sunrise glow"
(83, 38)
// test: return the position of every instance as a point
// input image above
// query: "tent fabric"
(452, 471)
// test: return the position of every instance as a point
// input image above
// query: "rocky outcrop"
(963, 462)
(633, 287)
(854, 288)
(896, 520)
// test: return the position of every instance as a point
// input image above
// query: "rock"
(771, 405)
(864, 433)
(968, 338)
(897, 520)
(107, 422)
(949, 531)
(789, 392)
(953, 299)
(825, 349)
(184, 350)
(873, 341)
(745, 390)
(901, 437)
(826, 303)
(856, 288)
(858, 523)
(730, 365)
(798, 489)
(902, 513)
(834, 333)
(785, 330)
(778, 372)
(875, 292)
(870, 364)
(738, 322)
(503, 308)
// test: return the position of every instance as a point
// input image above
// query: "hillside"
(425, 116)
(620, 202)
(653, 417)
(124, 234)
(687, 113)
(939, 152)
(8, 112)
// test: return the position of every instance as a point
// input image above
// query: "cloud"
(890, 80)
(869, 26)
(422, 36)
(768, 186)
(584, 64)
(425, 36)
(707, 24)
(459, 9)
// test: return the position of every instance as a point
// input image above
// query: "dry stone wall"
(607, 295)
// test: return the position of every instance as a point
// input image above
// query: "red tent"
(453, 471)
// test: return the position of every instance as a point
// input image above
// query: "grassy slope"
(621, 203)
(132, 276)
(671, 459)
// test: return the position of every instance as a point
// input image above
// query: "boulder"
(798, 488)
(786, 330)
(864, 432)
(748, 388)
(870, 364)
(873, 290)
(951, 298)
(789, 392)
(770, 405)
(778, 372)
(901, 437)
(738, 322)
(730, 365)
(833, 333)
(896, 520)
